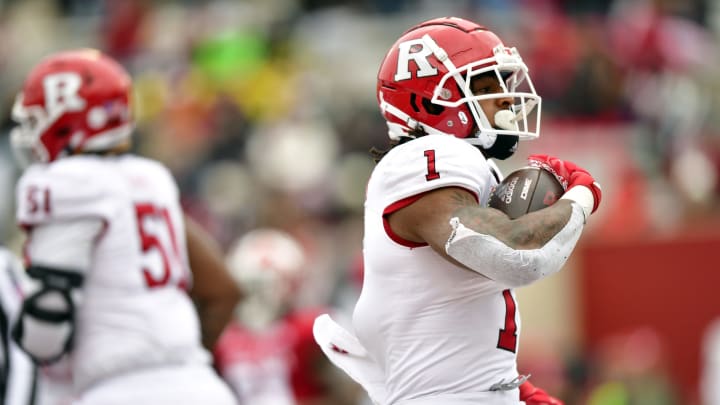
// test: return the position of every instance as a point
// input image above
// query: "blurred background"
(265, 111)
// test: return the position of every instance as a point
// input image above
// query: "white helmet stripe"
(410, 123)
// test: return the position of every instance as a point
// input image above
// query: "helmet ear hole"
(413, 102)
(432, 109)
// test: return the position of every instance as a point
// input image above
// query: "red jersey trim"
(402, 204)
(386, 224)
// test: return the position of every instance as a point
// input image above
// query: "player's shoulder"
(427, 163)
(152, 170)
(68, 188)
(80, 170)
(431, 152)
(92, 171)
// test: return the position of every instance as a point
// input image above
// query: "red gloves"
(533, 395)
(569, 174)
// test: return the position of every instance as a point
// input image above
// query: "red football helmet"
(72, 101)
(424, 83)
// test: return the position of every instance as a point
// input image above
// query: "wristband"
(583, 196)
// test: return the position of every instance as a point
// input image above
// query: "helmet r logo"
(415, 50)
(61, 92)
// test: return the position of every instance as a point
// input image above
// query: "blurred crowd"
(265, 110)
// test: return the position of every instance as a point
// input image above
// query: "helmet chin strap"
(504, 147)
(500, 146)
(504, 119)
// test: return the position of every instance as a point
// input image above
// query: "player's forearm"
(530, 231)
(214, 292)
(214, 317)
(496, 260)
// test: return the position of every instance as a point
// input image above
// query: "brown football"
(525, 190)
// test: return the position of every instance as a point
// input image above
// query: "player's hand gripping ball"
(569, 174)
(526, 190)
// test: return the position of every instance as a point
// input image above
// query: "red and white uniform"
(117, 220)
(438, 332)
(272, 366)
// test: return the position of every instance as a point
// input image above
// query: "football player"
(106, 246)
(268, 354)
(437, 321)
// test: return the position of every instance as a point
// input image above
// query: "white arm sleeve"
(492, 258)
(62, 249)
(65, 245)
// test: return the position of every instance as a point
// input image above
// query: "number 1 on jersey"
(432, 174)
(507, 338)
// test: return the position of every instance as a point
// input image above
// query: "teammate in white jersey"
(437, 321)
(106, 244)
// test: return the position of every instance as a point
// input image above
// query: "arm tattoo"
(527, 232)
(462, 199)
(536, 229)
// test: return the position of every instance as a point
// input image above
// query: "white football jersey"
(439, 332)
(134, 312)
